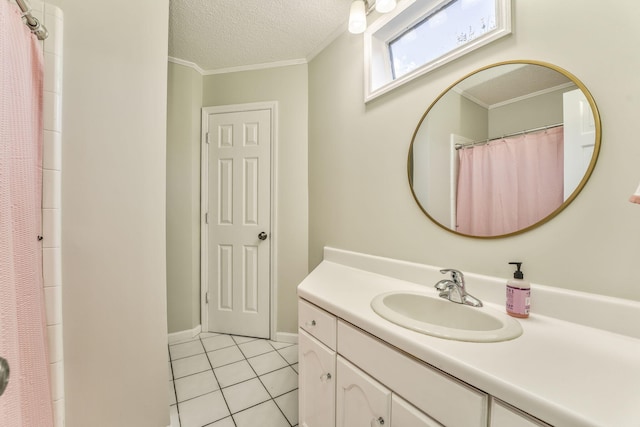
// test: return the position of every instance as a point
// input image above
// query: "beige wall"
(359, 197)
(113, 204)
(287, 86)
(529, 113)
(184, 104)
(455, 114)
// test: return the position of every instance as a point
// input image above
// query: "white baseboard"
(176, 337)
(189, 334)
(286, 337)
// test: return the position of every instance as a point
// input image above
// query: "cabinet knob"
(325, 377)
(312, 323)
(377, 422)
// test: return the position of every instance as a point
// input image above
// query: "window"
(422, 35)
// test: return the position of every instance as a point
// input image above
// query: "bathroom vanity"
(572, 367)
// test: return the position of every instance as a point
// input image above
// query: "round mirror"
(504, 149)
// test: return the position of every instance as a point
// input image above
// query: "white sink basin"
(442, 318)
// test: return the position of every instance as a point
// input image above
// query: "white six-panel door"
(238, 222)
(579, 138)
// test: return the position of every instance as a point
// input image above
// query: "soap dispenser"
(518, 294)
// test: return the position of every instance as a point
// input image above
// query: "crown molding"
(186, 64)
(252, 67)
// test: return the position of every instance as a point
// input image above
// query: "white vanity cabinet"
(406, 415)
(361, 401)
(317, 322)
(335, 390)
(317, 390)
(317, 366)
(503, 415)
(513, 383)
(436, 394)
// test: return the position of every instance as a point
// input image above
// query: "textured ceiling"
(222, 34)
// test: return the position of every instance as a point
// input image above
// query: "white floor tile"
(217, 342)
(203, 410)
(288, 404)
(195, 385)
(267, 362)
(190, 365)
(201, 401)
(254, 348)
(240, 340)
(226, 422)
(225, 356)
(172, 394)
(208, 334)
(278, 345)
(244, 395)
(280, 381)
(267, 413)
(290, 353)
(185, 340)
(187, 349)
(234, 373)
(173, 413)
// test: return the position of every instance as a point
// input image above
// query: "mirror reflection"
(504, 149)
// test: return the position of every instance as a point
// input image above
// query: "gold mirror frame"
(576, 191)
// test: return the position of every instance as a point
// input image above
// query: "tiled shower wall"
(52, 18)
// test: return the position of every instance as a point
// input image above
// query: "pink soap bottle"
(518, 294)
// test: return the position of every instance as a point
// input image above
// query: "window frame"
(378, 73)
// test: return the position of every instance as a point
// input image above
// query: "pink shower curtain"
(23, 341)
(510, 184)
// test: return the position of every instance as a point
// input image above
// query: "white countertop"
(564, 373)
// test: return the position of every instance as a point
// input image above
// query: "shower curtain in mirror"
(27, 400)
(511, 183)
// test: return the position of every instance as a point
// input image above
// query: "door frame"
(272, 106)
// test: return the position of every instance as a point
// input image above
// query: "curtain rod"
(34, 25)
(522, 132)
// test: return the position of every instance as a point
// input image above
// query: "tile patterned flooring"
(222, 380)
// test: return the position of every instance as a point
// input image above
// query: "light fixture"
(384, 6)
(357, 17)
(361, 8)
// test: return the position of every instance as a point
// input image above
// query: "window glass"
(455, 24)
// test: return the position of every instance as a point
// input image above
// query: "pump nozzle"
(517, 274)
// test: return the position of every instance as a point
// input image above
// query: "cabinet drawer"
(428, 389)
(504, 415)
(318, 323)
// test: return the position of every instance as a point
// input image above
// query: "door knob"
(262, 235)
(4, 374)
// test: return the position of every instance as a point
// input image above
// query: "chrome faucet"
(454, 290)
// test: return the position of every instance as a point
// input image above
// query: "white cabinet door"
(361, 401)
(404, 414)
(317, 389)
